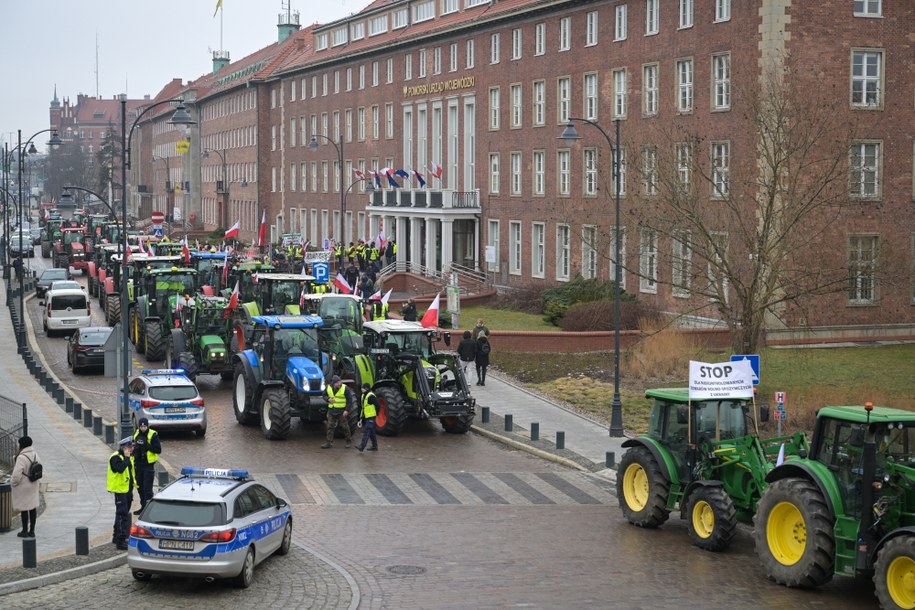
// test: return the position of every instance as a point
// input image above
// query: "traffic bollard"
(535, 431)
(87, 418)
(109, 434)
(68, 404)
(97, 425)
(611, 459)
(508, 423)
(82, 540)
(29, 553)
(484, 415)
(77, 411)
(560, 440)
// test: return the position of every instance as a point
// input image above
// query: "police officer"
(367, 418)
(339, 398)
(147, 449)
(121, 478)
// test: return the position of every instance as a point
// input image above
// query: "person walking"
(121, 482)
(467, 351)
(339, 398)
(409, 311)
(480, 329)
(367, 418)
(25, 491)
(482, 358)
(17, 266)
(147, 450)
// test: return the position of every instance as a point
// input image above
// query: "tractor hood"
(76, 247)
(213, 348)
(305, 375)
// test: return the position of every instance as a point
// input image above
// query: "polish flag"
(302, 299)
(149, 248)
(436, 170)
(233, 302)
(359, 174)
(341, 283)
(186, 251)
(430, 318)
(376, 296)
(255, 277)
(262, 231)
(225, 273)
(387, 295)
(233, 231)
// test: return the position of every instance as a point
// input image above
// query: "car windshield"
(94, 337)
(185, 514)
(64, 284)
(172, 392)
(53, 274)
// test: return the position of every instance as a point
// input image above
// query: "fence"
(14, 422)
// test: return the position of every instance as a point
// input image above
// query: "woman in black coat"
(482, 358)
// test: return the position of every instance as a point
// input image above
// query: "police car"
(168, 399)
(211, 523)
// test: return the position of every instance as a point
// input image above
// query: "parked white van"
(65, 310)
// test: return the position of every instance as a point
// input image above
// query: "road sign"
(321, 271)
(157, 218)
(754, 364)
(781, 397)
(182, 146)
(158, 232)
(781, 416)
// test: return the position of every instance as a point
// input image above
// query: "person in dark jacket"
(482, 358)
(121, 482)
(409, 311)
(467, 351)
(147, 449)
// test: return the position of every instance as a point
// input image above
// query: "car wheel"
(287, 538)
(201, 433)
(246, 576)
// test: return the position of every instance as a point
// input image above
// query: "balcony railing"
(426, 198)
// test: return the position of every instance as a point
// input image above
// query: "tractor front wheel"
(243, 397)
(711, 518)
(794, 534)
(642, 488)
(894, 573)
(155, 343)
(457, 424)
(187, 362)
(392, 414)
(276, 415)
(113, 309)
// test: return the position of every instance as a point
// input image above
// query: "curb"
(64, 575)
(546, 455)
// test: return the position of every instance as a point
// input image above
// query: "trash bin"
(6, 507)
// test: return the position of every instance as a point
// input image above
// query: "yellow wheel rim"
(900, 581)
(635, 487)
(786, 533)
(703, 519)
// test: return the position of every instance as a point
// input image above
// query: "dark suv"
(50, 275)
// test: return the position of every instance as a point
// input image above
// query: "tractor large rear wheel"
(276, 415)
(243, 397)
(457, 424)
(392, 413)
(642, 488)
(113, 309)
(894, 573)
(794, 534)
(155, 342)
(711, 518)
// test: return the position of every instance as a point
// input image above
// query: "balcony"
(465, 201)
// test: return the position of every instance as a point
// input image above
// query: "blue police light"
(149, 372)
(215, 473)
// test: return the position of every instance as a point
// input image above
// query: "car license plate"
(180, 545)
(70, 321)
(174, 409)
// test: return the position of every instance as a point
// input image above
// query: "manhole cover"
(406, 570)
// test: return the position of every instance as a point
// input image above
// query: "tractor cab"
(342, 309)
(209, 267)
(165, 286)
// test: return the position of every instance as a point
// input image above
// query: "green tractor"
(201, 343)
(50, 233)
(704, 457)
(410, 379)
(848, 508)
(153, 313)
(280, 374)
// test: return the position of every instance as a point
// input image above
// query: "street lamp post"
(70, 187)
(180, 117)
(338, 146)
(571, 134)
(223, 216)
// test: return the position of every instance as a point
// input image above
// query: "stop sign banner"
(158, 218)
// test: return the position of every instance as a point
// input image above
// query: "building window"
(866, 74)
(590, 96)
(449, 6)
(540, 39)
(314, 177)
(389, 121)
(684, 167)
(619, 94)
(494, 48)
(360, 123)
(349, 79)
(273, 137)
(612, 256)
(514, 247)
(291, 96)
(650, 171)
(589, 252)
(868, 8)
(437, 60)
(421, 63)
(292, 132)
(374, 73)
(538, 254)
(565, 34)
(538, 161)
(721, 167)
(589, 171)
(648, 261)
(722, 10)
(684, 85)
(516, 43)
(493, 230)
(407, 67)
(591, 29)
(378, 25)
(563, 169)
(620, 29)
(686, 13)
(862, 269)
(516, 173)
(516, 106)
(358, 30)
(539, 102)
(563, 93)
(721, 81)
(376, 122)
(622, 169)
(423, 11)
(292, 181)
(652, 19)
(494, 173)
(361, 77)
(682, 263)
(453, 59)
(303, 176)
(865, 170)
(563, 252)
(337, 81)
(470, 54)
(399, 19)
(650, 89)
(470, 3)
(494, 108)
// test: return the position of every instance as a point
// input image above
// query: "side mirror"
(763, 413)
(683, 414)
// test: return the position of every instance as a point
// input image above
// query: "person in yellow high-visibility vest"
(339, 398)
(121, 481)
(367, 418)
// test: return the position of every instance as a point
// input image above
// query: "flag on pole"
(387, 295)
(225, 273)
(436, 170)
(262, 231)
(233, 231)
(419, 178)
(186, 251)
(781, 455)
(233, 302)
(149, 248)
(402, 173)
(218, 6)
(255, 277)
(376, 296)
(302, 299)
(389, 173)
(341, 283)
(430, 318)
(359, 174)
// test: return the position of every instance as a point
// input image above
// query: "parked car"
(210, 523)
(85, 349)
(50, 275)
(66, 311)
(21, 247)
(65, 284)
(168, 399)
(35, 233)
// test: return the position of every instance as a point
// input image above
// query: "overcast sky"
(141, 46)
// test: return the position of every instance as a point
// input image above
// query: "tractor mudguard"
(178, 343)
(302, 372)
(365, 369)
(813, 471)
(93, 272)
(684, 499)
(661, 455)
(252, 364)
(109, 285)
(908, 530)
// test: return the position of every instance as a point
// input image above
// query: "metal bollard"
(611, 459)
(68, 404)
(560, 440)
(109, 434)
(535, 431)
(508, 423)
(29, 553)
(484, 415)
(87, 418)
(59, 395)
(77, 411)
(97, 425)
(82, 540)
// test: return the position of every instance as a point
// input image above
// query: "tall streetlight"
(338, 146)
(70, 187)
(223, 216)
(180, 117)
(570, 134)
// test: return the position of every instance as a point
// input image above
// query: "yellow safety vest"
(119, 482)
(150, 456)
(368, 409)
(339, 397)
(380, 313)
